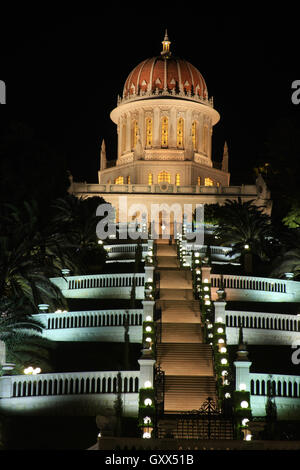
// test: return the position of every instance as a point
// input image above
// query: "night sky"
(63, 75)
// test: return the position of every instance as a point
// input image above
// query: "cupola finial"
(166, 46)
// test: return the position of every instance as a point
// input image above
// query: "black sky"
(63, 75)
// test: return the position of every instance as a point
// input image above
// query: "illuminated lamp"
(244, 404)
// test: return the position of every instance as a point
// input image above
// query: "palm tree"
(247, 229)
(74, 222)
(287, 259)
(19, 331)
(28, 258)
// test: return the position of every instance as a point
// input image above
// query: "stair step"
(188, 393)
(181, 333)
(176, 294)
(185, 359)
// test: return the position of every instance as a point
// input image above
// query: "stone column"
(148, 307)
(172, 128)
(146, 370)
(5, 387)
(149, 272)
(220, 312)
(242, 375)
(206, 273)
(156, 128)
(128, 132)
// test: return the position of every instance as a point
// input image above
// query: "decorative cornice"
(166, 93)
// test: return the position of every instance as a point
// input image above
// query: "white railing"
(218, 252)
(125, 248)
(282, 385)
(252, 283)
(90, 319)
(73, 383)
(262, 320)
(99, 281)
(82, 188)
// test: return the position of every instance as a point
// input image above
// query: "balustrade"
(74, 383)
(272, 321)
(91, 319)
(280, 385)
(248, 282)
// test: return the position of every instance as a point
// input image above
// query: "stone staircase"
(186, 361)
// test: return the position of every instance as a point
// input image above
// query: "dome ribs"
(172, 75)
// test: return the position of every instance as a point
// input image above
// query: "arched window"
(134, 134)
(194, 135)
(177, 179)
(128, 179)
(180, 136)
(119, 180)
(150, 179)
(149, 132)
(164, 176)
(123, 138)
(164, 131)
(199, 180)
(208, 182)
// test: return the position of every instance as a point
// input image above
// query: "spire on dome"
(225, 158)
(103, 156)
(166, 46)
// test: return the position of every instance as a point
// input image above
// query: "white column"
(149, 273)
(5, 387)
(148, 307)
(146, 373)
(242, 375)
(220, 312)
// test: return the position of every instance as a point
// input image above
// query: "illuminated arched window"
(194, 135)
(119, 180)
(123, 138)
(164, 176)
(128, 179)
(150, 179)
(205, 132)
(134, 134)
(177, 179)
(208, 182)
(199, 181)
(164, 131)
(180, 124)
(149, 132)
